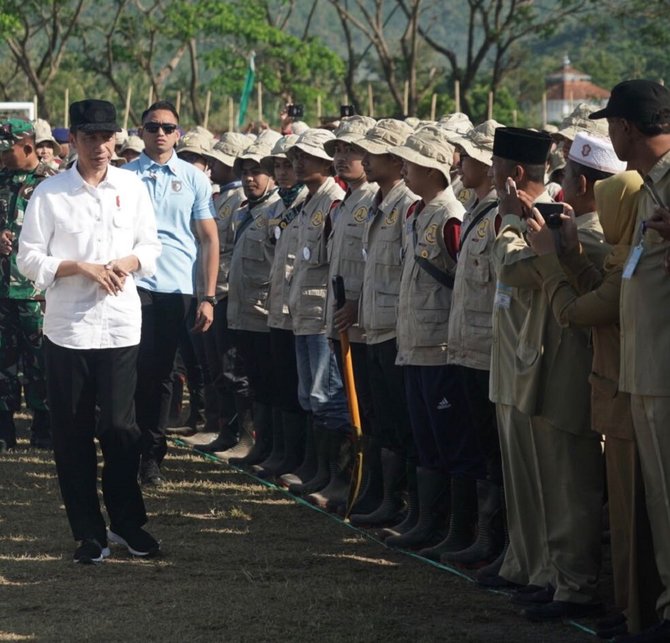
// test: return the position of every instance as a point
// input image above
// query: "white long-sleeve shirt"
(69, 220)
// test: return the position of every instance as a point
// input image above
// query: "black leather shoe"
(496, 582)
(541, 596)
(657, 634)
(561, 609)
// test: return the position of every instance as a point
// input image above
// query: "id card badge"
(632, 261)
(503, 297)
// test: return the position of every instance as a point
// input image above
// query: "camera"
(552, 214)
(347, 110)
(295, 111)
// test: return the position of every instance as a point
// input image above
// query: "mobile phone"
(347, 110)
(295, 110)
(551, 213)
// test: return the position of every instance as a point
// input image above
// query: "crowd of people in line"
(502, 306)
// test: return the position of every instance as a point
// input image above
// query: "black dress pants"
(77, 381)
(163, 316)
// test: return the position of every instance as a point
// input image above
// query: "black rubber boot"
(308, 465)
(262, 417)
(245, 424)
(226, 439)
(7, 430)
(40, 431)
(294, 445)
(412, 508)
(389, 509)
(372, 488)
(490, 533)
(321, 476)
(461, 520)
(267, 468)
(340, 459)
(433, 495)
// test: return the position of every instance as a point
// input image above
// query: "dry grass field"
(241, 562)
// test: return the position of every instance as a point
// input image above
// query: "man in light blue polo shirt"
(182, 199)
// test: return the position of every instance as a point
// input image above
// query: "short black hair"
(161, 104)
(590, 174)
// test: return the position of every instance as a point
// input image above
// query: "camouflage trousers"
(21, 355)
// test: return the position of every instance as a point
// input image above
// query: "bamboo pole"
(178, 101)
(208, 103)
(514, 117)
(66, 108)
(231, 114)
(126, 116)
(259, 96)
(490, 108)
(544, 109)
(151, 95)
(371, 102)
(318, 107)
(457, 95)
(405, 99)
(37, 115)
(433, 107)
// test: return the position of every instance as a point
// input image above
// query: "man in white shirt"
(86, 232)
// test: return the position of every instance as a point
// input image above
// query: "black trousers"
(255, 350)
(163, 316)
(445, 438)
(387, 389)
(77, 381)
(282, 344)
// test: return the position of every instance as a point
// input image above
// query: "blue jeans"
(320, 388)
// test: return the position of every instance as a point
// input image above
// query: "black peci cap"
(639, 100)
(521, 145)
(93, 115)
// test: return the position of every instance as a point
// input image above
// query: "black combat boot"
(262, 419)
(461, 520)
(389, 509)
(490, 533)
(433, 495)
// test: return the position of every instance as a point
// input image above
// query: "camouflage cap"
(428, 147)
(349, 130)
(312, 142)
(387, 133)
(258, 150)
(579, 121)
(13, 130)
(457, 123)
(478, 142)
(279, 150)
(43, 134)
(120, 137)
(229, 147)
(194, 142)
(134, 143)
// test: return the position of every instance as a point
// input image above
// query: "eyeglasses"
(168, 128)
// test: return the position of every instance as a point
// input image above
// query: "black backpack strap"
(478, 218)
(440, 276)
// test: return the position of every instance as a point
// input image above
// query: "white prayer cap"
(596, 152)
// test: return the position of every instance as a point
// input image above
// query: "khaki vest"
(470, 323)
(382, 253)
(286, 236)
(249, 276)
(308, 289)
(424, 303)
(345, 253)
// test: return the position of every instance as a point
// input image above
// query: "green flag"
(248, 88)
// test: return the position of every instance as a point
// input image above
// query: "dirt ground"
(241, 562)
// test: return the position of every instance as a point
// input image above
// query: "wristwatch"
(210, 299)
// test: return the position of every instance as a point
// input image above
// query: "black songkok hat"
(521, 145)
(93, 115)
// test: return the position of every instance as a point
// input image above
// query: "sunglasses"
(168, 128)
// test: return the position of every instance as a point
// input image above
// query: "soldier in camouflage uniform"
(21, 364)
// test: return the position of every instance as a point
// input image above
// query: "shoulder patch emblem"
(464, 195)
(361, 214)
(225, 211)
(317, 218)
(391, 217)
(430, 234)
(482, 227)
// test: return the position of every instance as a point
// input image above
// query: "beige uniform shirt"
(424, 303)
(470, 321)
(249, 277)
(286, 237)
(382, 252)
(308, 288)
(536, 365)
(645, 301)
(345, 253)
